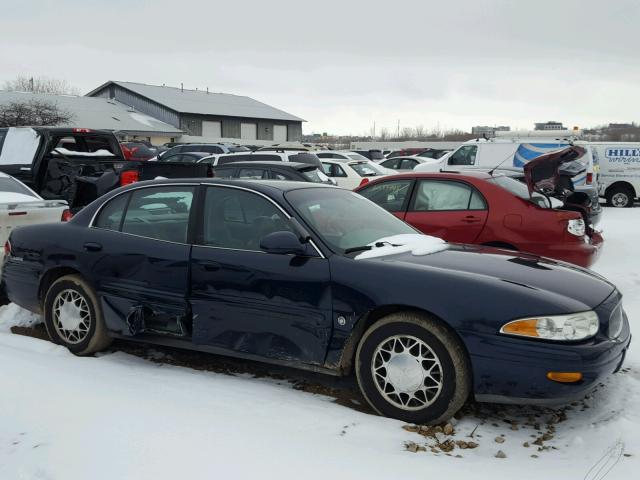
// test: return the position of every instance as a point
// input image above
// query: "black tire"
(620, 196)
(455, 370)
(95, 338)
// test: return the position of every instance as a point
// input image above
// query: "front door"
(139, 259)
(392, 195)
(452, 210)
(245, 300)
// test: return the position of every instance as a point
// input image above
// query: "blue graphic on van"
(528, 151)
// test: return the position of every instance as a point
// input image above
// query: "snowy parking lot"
(125, 416)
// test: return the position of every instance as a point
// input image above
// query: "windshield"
(376, 155)
(357, 156)
(519, 189)
(344, 219)
(315, 175)
(239, 149)
(364, 169)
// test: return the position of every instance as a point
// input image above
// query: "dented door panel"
(142, 283)
(274, 306)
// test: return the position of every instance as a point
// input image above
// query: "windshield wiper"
(363, 248)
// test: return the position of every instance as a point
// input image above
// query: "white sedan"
(406, 164)
(19, 205)
(352, 174)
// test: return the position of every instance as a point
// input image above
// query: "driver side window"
(464, 156)
(239, 220)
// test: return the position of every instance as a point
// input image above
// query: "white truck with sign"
(619, 176)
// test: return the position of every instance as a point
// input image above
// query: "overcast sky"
(342, 65)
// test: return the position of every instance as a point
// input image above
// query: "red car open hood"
(542, 173)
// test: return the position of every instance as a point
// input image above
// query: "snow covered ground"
(118, 416)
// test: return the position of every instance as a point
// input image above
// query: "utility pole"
(374, 131)
(398, 128)
(31, 83)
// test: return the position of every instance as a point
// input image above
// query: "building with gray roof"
(204, 115)
(102, 113)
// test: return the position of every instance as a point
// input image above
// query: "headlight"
(576, 227)
(561, 328)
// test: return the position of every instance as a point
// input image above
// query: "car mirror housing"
(283, 243)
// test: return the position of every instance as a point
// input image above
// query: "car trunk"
(551, 175)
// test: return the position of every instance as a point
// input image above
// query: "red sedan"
(486, 209)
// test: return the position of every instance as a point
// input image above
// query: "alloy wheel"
(71, 316)
(407, 372)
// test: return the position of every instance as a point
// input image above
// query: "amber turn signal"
(525, 328)
(564, 377)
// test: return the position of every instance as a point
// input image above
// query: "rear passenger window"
(253, 173)
(224, 173)
(432, 195)
(280, 176)
(110, 216)
(159, 212)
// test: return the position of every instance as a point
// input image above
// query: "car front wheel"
(73, 317)
(410, 367)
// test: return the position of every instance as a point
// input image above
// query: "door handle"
(92, 247)
(471, 219)
(210, 266)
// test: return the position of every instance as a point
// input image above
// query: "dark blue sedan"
(320, 278)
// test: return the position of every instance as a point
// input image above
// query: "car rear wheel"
(73, 317)
(410, 367)
(620, 196)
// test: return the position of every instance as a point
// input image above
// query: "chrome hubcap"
(620, 200)
(71, 316)
(407, 372)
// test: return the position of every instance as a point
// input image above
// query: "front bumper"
(513, 370)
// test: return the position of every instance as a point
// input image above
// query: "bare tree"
(33, 113)
(40, 85)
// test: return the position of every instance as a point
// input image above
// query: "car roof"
(412, 157)
(269, 186)
(268, 163)
(449, 174)
(201, 154)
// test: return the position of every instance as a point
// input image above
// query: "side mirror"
(283, 243)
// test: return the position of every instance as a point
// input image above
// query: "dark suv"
(213, 148)
(274, 170)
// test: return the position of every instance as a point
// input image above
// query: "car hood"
(543, 174)
(528, 271)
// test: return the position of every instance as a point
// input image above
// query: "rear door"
(452, 210)
(138, 252)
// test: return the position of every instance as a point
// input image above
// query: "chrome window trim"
(237, 187)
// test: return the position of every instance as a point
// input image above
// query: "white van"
(619, 171)
(507, 153)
